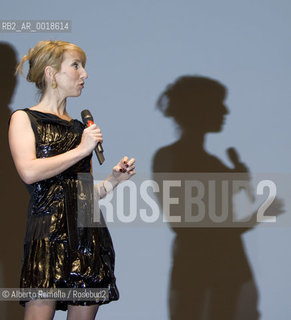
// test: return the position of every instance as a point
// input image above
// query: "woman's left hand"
(124, 169)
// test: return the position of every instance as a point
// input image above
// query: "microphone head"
(233, 155)
(86, 116)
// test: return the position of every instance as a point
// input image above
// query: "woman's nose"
(225, 109)
(84, 74)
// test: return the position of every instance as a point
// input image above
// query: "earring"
(54, 84)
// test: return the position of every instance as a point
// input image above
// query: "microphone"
(88, 121)
(235, 159)
(233, 156)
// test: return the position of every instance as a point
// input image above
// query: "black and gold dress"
(58, 251)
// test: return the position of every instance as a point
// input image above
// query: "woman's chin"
(75, 94)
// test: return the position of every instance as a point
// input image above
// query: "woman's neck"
(52, 104)
(196, 138)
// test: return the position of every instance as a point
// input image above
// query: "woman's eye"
(75, 65)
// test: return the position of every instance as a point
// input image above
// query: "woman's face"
(70, 78)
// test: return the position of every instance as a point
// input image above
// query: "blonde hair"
(46, 53)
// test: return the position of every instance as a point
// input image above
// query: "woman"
(209, 264)
(50, 151)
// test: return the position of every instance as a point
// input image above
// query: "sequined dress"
(58, 251)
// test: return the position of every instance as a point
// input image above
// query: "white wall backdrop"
(134, 50)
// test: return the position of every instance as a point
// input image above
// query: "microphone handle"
(99, 148)
(99, 153)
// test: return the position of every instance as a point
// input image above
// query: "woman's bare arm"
(123, 171)
(32, 169)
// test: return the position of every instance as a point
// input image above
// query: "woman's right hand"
(32, 169)
(90, 137)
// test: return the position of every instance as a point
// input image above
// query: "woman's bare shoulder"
(18, 116)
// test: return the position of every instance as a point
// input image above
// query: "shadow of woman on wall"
(209, 265)
(14, 197)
